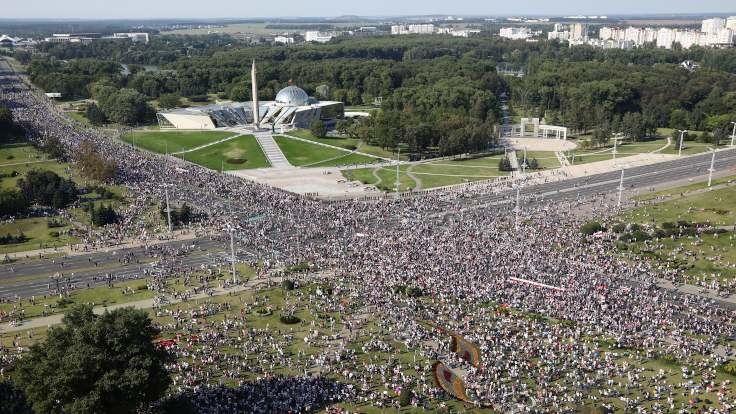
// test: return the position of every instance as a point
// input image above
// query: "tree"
(95, 115)
(95, 364)
(126, 106)
(591, 228)
(169, 100)
(46, 188)
(505, 165)
(318, 128)
(103, 215)
(93, 164)
(12, 202)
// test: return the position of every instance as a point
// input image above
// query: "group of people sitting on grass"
(561, 321)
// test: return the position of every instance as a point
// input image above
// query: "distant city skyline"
(140, 9)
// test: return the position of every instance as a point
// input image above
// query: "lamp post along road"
(168, 207)
(518, 207)
(621, 188)
(712, 167)
(232, 250)
(682, 139)
(398, 163)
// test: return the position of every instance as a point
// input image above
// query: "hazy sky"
(117, 9)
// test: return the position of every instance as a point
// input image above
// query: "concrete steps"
(272, 151)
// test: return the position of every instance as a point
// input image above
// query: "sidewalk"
(47, 321)
(69, 250)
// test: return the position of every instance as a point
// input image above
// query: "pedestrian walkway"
(516, 168)
(564, 162)
(46, 321)
(220, 141)
(272, 151)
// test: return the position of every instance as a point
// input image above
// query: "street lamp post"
(682, 139)
(232, 250)
(621, 188)
(518, 207)
(398, 163)
(712, 167)
(168, 207)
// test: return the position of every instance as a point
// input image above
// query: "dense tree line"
(424, 81)
(8, 128)
(46, 188)
(625, 98)
(123, 370)
(102, 215)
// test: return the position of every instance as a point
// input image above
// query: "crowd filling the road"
(585, 342)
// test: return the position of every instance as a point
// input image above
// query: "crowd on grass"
(601, 333)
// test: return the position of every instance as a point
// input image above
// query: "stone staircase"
(272, 151)
(514, 163)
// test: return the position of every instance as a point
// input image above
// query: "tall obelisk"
(254, 83)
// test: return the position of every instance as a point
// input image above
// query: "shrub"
(54, 233)
(289, 319)
(618, 228)
(413, 292)
(640, 236)
(505, 165)
(288, 285)
(591, 228)
(405, 395)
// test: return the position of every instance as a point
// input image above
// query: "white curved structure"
(292, 108)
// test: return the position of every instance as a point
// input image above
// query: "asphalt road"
(33, 277)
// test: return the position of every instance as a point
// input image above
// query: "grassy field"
(173, 141)
(626, 149)
(322, 316)
(240, 153)
(16, 159)
(684, 189)
(547, 159)
(349, 143)
(300, 154)
(704, 257)
(430, 175)
(40, 236)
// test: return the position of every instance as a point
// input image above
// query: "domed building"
(291, 108)
(292, 95)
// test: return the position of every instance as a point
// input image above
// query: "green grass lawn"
(684, 189)
(432, 174)
(708, 256)
(79, 117)
(17, 159)
(300, 153)
(173, 141)
(38, 232)
(547, 159)
(364, 175)
(349, 143)
(241, 153)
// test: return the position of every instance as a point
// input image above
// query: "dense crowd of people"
(561, 347)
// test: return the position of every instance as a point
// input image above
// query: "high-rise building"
(665, 37)
(579, 31)
(731, 23)
(713, 25)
